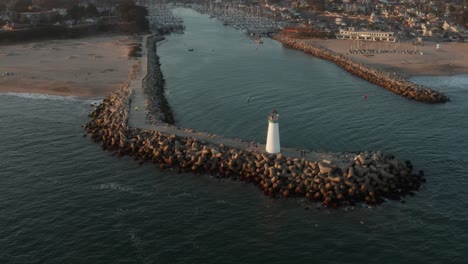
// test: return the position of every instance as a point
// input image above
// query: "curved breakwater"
(384, 79)
(346, 179)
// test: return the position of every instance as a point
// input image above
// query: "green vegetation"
(133, 18)
(78, 12)
(135, 50)
(317, 5)
(43, 32)
(130, 12)
(49, 4)
(22, 6)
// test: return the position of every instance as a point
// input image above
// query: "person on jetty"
(136, 108)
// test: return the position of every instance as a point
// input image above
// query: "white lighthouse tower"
(273, 137)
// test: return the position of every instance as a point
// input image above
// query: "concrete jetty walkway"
(137, 114)
(138, 119)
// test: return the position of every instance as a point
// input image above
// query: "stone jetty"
(158, 108)
(384, 79)
(342, 179)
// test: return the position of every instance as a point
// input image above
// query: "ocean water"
(64, 200)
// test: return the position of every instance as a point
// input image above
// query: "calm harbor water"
(64, 200)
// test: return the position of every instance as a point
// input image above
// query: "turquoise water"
(64, 200)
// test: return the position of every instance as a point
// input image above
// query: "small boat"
(190, 49)
(258, 40)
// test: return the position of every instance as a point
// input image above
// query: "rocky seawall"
(154, 84)
(368, 177)
(384, 79)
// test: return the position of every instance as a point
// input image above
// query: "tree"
(126, 10)
(452, 8)
(317, 5)
(22, 6)
(91, 11)
(24, 20)
(56, 19)
(49, 4)
(107, 3)
(463, 18)
(130, 12)
(140, 17)
(76, 12)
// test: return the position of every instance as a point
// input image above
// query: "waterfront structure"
(273, 137)
(351, 33)
(303, 32)
(38, 17)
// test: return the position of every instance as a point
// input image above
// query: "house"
(6, 16)
(38, 17)
(61, 11)
(351, 33)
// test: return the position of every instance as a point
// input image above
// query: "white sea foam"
(182, 195)
(113, 186)
(39, 96)
(448, 82)
(221, 202)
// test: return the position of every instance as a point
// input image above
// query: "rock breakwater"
(368, 177)
(154, 84)
(386, 80)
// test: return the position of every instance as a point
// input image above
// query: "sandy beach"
(450, 59)
(87, 67)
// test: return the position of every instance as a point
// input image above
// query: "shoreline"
(334, 179)
(47, 67)
(384, 79)
(446, 61)
(87, 67)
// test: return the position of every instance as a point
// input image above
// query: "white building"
(350, 33)
(273, 137)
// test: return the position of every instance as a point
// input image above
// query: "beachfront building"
(351, 33)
